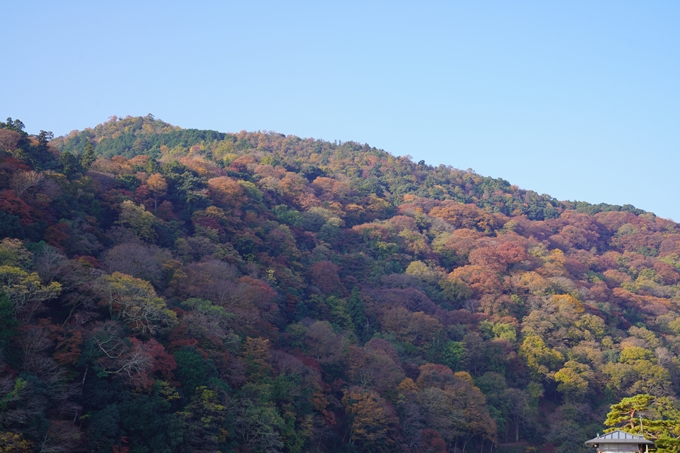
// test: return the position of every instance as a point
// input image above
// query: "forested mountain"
(174, 290)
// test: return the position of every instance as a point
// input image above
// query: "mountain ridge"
(139, 130)
(256, 292)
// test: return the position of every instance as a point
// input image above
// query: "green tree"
(657, 418)
(257, 423)
(70, 164)
(453, 354)
(204, 421)
(40, 155)
(357, 311)
(138, 220)
(88, 157)
(637, 372)
(7, 320)
(13, 125)
(573, 379)
(541, 359)
(193, 370)
(148, 422)
(10, 226)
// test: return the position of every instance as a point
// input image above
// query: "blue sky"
(577, 99)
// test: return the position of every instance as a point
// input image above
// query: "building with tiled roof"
(620, 442)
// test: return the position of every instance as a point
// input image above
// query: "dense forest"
(178, 290)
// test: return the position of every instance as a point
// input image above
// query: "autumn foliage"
(175, 290)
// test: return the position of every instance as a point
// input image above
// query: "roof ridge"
(619, 437)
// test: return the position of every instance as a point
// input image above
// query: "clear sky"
(577, 99)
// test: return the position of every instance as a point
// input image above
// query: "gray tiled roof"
(619, 437)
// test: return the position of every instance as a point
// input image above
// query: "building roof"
(618, 437)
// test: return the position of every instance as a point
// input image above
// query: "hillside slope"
(183, 290)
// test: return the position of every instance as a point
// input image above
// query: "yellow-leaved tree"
(25, 291)
(135, 302)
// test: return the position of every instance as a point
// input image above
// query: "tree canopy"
(176, 290)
